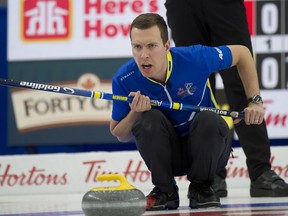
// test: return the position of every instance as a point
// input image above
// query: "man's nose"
(145, 53)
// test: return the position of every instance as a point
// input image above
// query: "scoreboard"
(268, 24)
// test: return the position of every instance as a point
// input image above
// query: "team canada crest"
(46, 19)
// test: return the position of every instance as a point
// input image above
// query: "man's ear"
(167, 45)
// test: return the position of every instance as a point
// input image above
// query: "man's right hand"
(140, 103)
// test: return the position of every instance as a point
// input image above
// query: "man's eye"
(137, 46)
(151, 46)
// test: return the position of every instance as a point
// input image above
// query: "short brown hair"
(148, 20)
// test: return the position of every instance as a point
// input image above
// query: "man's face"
(149, 52)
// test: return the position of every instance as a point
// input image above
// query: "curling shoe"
(220, 186)
(202, 195)
(158, 200)
(269, 184)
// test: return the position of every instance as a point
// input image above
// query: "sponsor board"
(67, 29)
(48, 109)
(73, 173)
(276, 117)
(51, 118)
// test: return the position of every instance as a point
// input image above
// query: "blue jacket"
(187, 82)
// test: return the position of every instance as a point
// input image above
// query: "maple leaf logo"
(89, 84)
(88, 81)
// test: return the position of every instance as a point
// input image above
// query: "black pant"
(199, 155)
(223, 22)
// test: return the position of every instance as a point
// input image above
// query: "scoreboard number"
(270, 49)
(269, 18)
(269, 73)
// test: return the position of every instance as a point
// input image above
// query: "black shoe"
(202, 195)
(220, 186)
(269, 184)
(158, 200)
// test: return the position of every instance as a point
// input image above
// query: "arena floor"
(238, 203)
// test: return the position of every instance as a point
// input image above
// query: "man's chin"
(145, 74)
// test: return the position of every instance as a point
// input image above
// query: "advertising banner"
(48, 118)
(74, 173)
(73, 29)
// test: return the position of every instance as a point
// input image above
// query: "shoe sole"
(267, 193)
(193, 204)
(171, 205)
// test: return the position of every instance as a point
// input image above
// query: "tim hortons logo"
(136, 170)
(32, 177)
(274, 118)
(46, 19)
